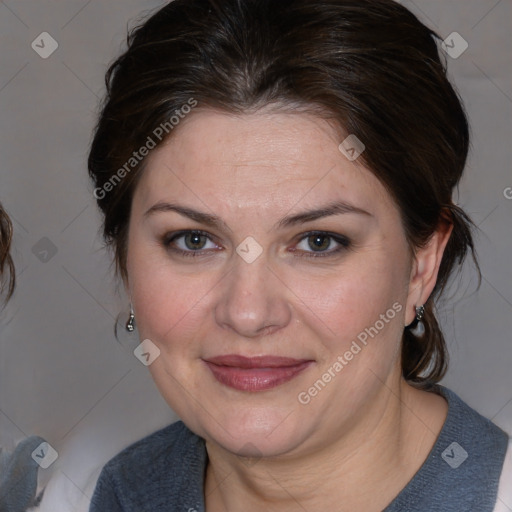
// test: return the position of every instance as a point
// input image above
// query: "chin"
(258, 432)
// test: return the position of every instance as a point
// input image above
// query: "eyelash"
(342, 241)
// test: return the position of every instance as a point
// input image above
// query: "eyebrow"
(203, 218)
(336, 208)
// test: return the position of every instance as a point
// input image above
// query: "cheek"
(171, 309)
(344, 303)
(169, 305)
(358, 316)
(358, 319)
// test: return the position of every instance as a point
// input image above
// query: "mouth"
(255, 373)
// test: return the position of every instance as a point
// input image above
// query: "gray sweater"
(164, 472)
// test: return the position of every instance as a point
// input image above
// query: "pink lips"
(255, 373)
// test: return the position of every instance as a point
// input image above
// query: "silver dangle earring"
(130, 324)
(419, 328)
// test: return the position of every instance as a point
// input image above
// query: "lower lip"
(255, 379)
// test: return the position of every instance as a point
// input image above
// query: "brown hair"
(7, 273)
(370, 64)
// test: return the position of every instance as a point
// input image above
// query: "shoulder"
(474, 450)
(466, 423)
(463, 469)
(169, 462)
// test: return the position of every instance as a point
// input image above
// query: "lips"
(255, 373)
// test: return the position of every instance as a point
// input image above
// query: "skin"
(358, 442)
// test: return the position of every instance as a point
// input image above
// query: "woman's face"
(255, 236)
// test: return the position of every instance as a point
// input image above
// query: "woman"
(276, 182)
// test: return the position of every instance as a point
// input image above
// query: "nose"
(253, 300)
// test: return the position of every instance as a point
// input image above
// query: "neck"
(363, 468)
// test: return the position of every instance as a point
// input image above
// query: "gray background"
(62, 374)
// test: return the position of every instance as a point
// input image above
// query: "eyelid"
(342, 241)
(169, 238)
(173, 235)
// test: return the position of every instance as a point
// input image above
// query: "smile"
(255, 373)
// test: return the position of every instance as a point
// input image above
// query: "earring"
(130, 324)
(419, 329)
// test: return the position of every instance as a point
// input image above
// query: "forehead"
(258, 159)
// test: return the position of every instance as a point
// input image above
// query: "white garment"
(504, 501)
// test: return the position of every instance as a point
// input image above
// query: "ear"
(425, 268)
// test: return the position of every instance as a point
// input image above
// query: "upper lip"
(266, 361)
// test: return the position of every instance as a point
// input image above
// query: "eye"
(189, 243)
(321, 243)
